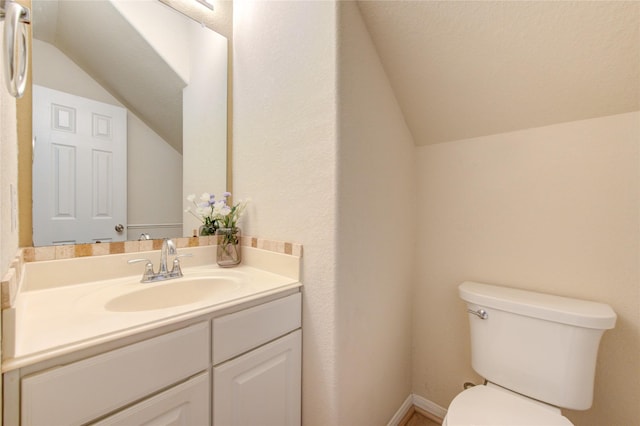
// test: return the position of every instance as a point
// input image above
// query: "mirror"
(172, 87)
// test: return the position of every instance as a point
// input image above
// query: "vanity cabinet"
(258, 386)
(242, 368)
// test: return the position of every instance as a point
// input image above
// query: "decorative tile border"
(70, 251)
(269, 245)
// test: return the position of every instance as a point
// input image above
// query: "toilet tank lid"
(565, 310)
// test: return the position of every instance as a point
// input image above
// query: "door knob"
(119, 228)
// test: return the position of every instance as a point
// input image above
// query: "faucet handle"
(138, 260)
(176, 271)
(148, 269)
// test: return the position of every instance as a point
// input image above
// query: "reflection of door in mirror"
(79, 169)
(169, 73)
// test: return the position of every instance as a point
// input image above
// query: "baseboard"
(429, 406)
(399, 416)
(413, 402)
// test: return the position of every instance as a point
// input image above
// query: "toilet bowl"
(491, 405)
(537, 353)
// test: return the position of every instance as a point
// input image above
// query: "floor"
(418, 418)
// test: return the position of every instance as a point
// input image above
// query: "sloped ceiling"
(463, 69)
(103, 43)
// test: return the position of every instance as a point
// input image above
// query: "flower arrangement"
(215, 214)
(220, 219)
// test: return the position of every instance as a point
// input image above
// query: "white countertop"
(50, 322)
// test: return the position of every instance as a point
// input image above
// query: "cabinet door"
(260, 388)
(186, 404)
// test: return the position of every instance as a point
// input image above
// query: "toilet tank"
(542, 346)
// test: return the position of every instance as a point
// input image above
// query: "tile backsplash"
(35, 254)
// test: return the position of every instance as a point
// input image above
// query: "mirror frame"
(24, 113)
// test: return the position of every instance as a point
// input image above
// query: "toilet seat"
(492, 405)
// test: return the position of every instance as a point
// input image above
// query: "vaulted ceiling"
(463, 69)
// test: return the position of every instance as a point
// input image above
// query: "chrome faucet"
(168, 249)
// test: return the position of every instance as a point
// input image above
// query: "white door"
(260, 388)
(79, 169)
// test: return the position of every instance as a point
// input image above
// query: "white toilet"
(537, 353)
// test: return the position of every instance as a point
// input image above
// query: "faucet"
(168, 249)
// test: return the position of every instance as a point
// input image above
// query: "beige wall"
(284, 153)
(554, 209)
(154, 182)
(204, 120)
(221, 21)
(376, 216)
(336, 193)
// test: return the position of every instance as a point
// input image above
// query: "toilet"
(537, 353)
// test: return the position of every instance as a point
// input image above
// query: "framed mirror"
(93, 57)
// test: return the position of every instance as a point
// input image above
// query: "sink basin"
(183, 291)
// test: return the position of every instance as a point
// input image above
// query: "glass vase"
(228, 252)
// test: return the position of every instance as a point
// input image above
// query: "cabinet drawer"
(242, 331)
(79, 392)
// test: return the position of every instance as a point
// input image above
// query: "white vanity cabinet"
(237, 367)
(261, 386)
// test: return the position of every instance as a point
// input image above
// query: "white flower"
(216, 213)
(220, 208)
